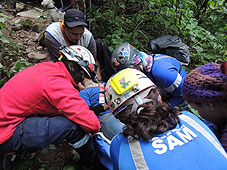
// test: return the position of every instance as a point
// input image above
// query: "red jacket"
(46, 89)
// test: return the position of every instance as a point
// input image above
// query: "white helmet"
(129, 86)
(83, 57)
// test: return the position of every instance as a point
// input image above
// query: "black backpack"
(172, 46)
(104, 58)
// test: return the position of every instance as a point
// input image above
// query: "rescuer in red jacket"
(41, 105)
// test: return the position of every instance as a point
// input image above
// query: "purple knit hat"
(205, 84)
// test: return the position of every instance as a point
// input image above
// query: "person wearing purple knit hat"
(205, 89)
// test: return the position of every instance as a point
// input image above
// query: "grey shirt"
(53, 47)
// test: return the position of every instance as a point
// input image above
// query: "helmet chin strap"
(141, 67)
(139, 101)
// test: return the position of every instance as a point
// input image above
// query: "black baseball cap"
(74, 17)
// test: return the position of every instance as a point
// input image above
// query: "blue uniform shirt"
(168, 74)
(189, 146)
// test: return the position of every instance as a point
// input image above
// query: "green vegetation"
(200, 24)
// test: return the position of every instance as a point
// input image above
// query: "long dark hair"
(154, 118)
(74, 69)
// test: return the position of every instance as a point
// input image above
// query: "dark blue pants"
(38, 132)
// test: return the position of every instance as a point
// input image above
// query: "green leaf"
(2, 20)
(39, 160)
(209, 56)
(52, 146)
(4, 40)
(2, 25)
(20, 44)
(190, 26)
(167, 23)
(198, 49)
(11, 53)
(122, 5)
(32, 155)
(3, 15)
(111, 48)
(174, 27)
(76, 156)
(194, 111)
(114, 41)
(6, 57)
(46, 150)
(69, 167)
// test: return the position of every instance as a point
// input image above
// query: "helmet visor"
(90, 68)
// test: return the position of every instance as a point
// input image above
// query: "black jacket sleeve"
(97, 109)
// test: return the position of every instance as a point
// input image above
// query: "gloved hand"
(48, 3)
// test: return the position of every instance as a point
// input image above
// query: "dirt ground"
(60, 156)
(28, 31)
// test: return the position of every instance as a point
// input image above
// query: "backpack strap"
(63, 32)
(180, 69)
